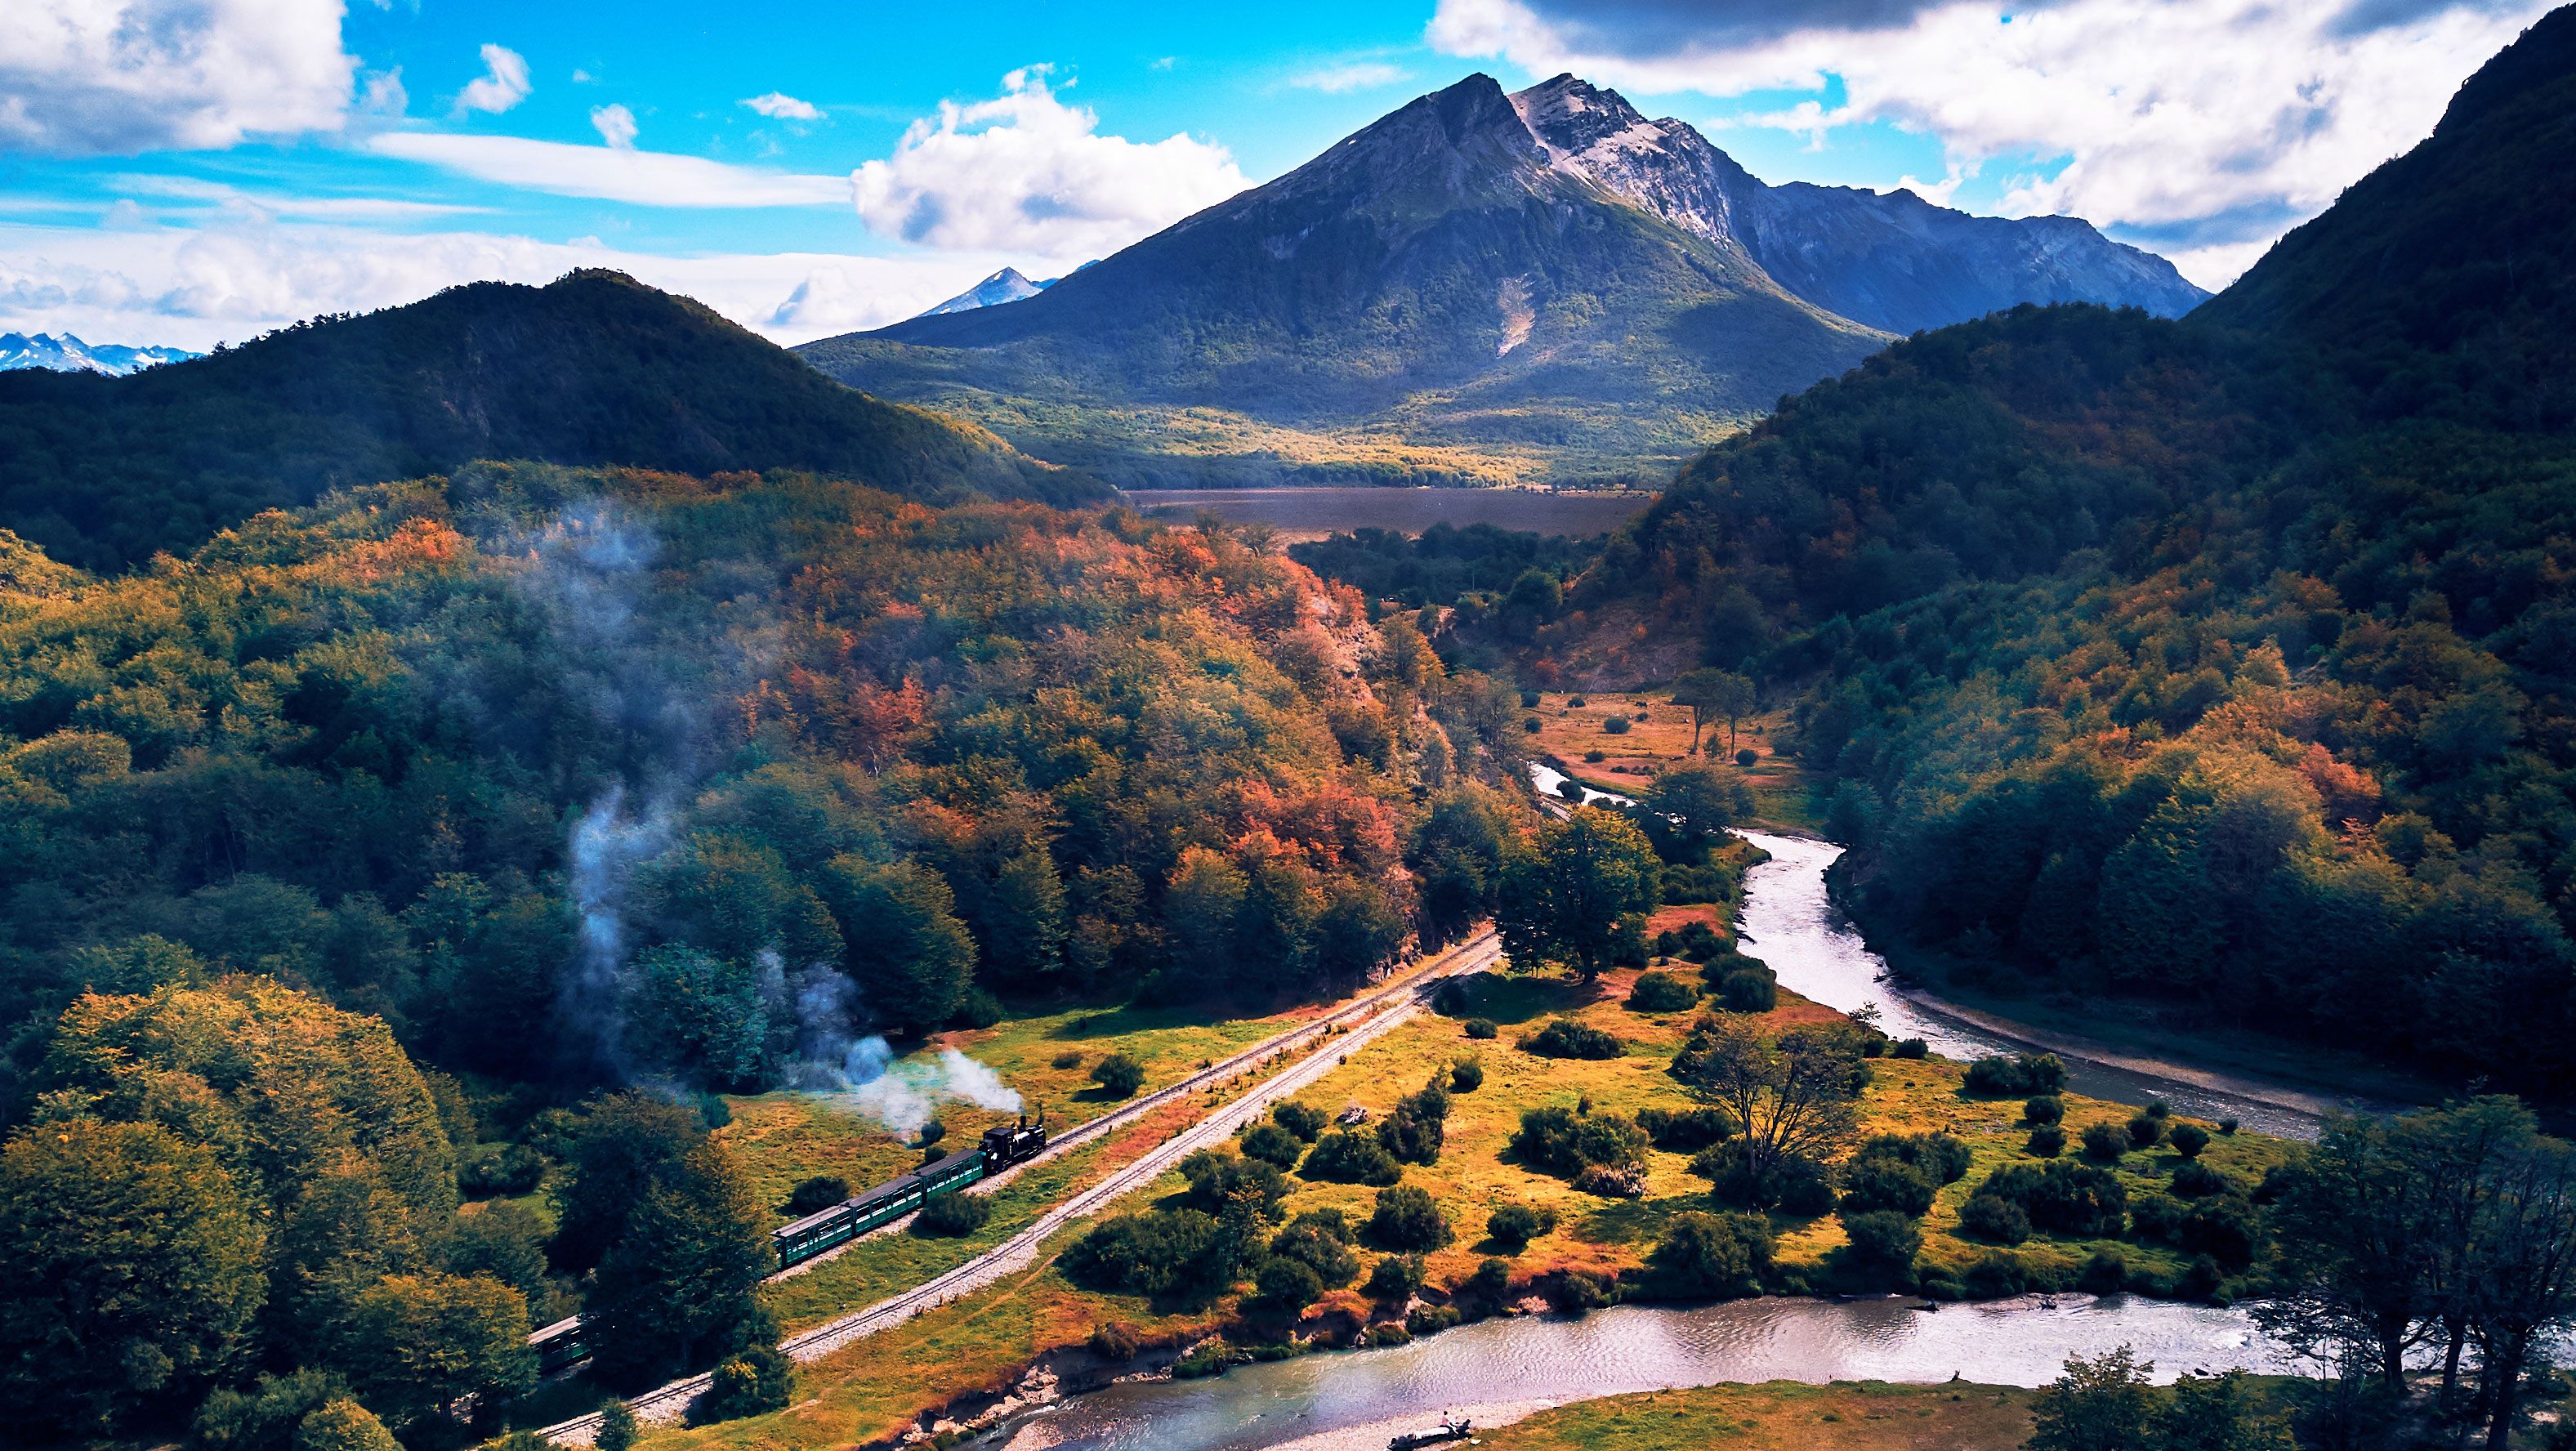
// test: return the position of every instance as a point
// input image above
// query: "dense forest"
(595, 368)
(321, 838)
(2224, 662)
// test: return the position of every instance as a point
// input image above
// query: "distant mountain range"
(1479, 287)
(594, 368)
(68, 354)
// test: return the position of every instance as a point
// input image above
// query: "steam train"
(563, 1344)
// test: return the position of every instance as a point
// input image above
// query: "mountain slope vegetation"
(2222, 663)
(592, 369)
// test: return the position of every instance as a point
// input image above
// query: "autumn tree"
(413, 1346)
(1566, 891)
(1714, 694)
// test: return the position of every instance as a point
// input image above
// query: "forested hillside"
(2224, 662)
(595, 368)
(573, 778)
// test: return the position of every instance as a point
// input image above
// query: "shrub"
(1467, 1074)
(1146, 1254)
(1710, 1257)
(2000, 1077)
(1395, 1279)
(1348, 1158)
(2105, 1273)
(1273, 1145)
(1795, 1184)
(1408, 1219)
(2193, 1179)
(758, 1380)
(1885, 1184)
(1911, 1048)
(1616, 725)
(931, 1133)
(1529, 700)
(2146, 1131)
(1531, 725)
(1306, 1123)
(2063, 1197)
(2105, 1142)
(1115, 1340)
(1661, 992)
(2042, 1109)
(1996, 1275)
(1287, 1285)
(978, 1009)
(1576, 1292)
(617, 1428)
(1883, 1244)
(2188, 1139)
(953, 1215)
(1746, 758)
(1414, 1132)
(1686, 1130)
(1118, 1075)
(2224, 1229)
(1748, 990)
(1481, 1028)
(1994, 1218)
(1217, 1177)
(490, 1170)
(813, 1196)
(2200, 1280)
(1069, 1058)
(1430, 1319)
(1207, 1358)
(1595, 756)
(2047, 1142)
(2227, 1126)
(1491, 1281)
(1612, 1181)
(2156, 1216)
(1518, 1224)
(1566, 1038)
(1576, 701)
(1560, 1141)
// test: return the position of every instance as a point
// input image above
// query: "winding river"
(1504, 1368)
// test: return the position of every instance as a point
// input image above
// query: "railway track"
(1367, 1018)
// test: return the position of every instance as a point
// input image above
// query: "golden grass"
(1662, 739)
(1784, 1416)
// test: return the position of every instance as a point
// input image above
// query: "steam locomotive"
(562, 1344)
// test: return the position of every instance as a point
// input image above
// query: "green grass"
(1783, 1416)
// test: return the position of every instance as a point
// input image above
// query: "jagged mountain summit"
(68, 354)
(1478, 287)
(1007, 285)
(1890, 260)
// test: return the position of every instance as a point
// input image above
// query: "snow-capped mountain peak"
(68, 354)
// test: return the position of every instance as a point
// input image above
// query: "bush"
(1531, 725)
(1560, 1141)
(1414, 1132)
(1710, 1257)
(1595, 756)
(1997, 1275)
(1661, 992)
(758, 1380)
(2188, 1139)
(1395, 1279)
(1994, 1219)
(1408, 1219)
(1517, 1224)
(2224, 1229)
(2063, 1197)
(1794, 1185)
(2105, 1273)
(1218, 1177)
(2156, 1216)
(2193, 1179)
(1491, 1281)
(2200, 1281)
(1746, 758)
(1616, 725)
(1306, 1123)
(1467, 1074)
(1576, 1292)
(491, 1170)
(617, 1428)
(2146, 1131)
(1115, 1340)
(1576, 701)
(2000, 1077)
(1286, 1285)
(813, 1196)
(1883, 1244)
(1147, 1254)
(1886, 1185)
(1910, 1048)
(1343, 1157)
(2043, 1109)
(1748, 990)
(1566, 1038)
(1069, 1058)
(931, 1133)
(1430, 1319)
(1686, 1130)
(978, 1009)
(2047, 1142)
(953, 1215)
(2227, 1126)
(1119, 1075)
(1273, 1145)
(1529, 700)
(2105, 1142)
(1612, 1181)
(1481, 1028)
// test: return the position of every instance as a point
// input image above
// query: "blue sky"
(185, 171)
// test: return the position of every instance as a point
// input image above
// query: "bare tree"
(1796, 1092)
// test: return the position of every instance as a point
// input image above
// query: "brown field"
(1312, 513)
(1571, 733)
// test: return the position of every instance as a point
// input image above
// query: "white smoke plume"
(859, 1070)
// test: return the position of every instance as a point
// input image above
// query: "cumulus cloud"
(1026, 172)
(1355, 76)
(611, 173)
(118, 77)
(2202, 128)
(247, 273)
(616, 126)
(503, 84)
(780, 106)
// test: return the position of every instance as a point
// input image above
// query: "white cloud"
(193, 287)
(1358, 75)
(277, 204)
(646, 178)
(616, 126)
(89, 77)
(503, 84)
(780, 106)
(2204, 128)
(1026, 172)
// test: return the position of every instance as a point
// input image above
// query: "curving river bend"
(1504, 1368)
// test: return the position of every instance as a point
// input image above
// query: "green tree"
(903, 944)
(620, 1145)
(678, 1283)
(1694, 804)
(1795, 1093)
(503, 1241)
(2094, 1405)
(1118, 1075)
(412, 1346)
(130, 1272)
(618, 1430)
(343, 1425)
(1711, 1256)
(1565, 892)
(758, 1380)
(1714, 694)
(2216, 1413)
